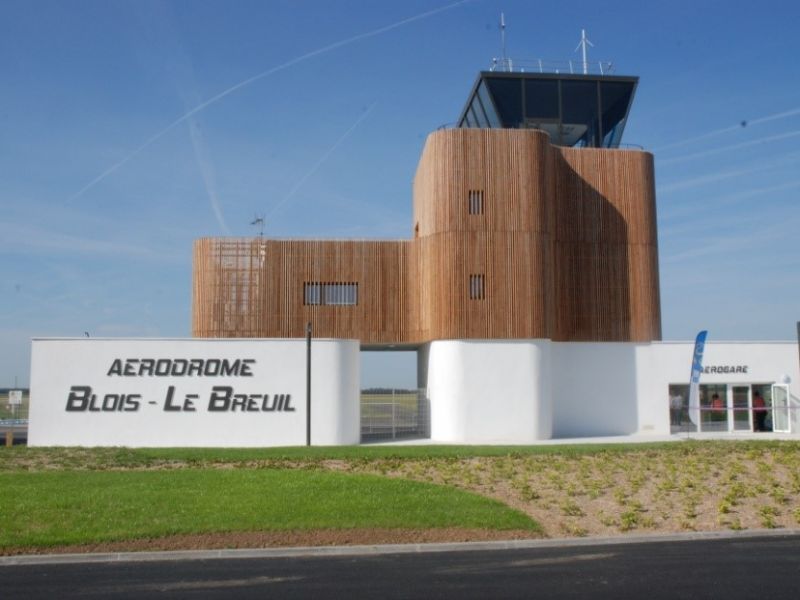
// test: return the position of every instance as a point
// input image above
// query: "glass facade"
(488, 105)
(575, 110)
(725, 407)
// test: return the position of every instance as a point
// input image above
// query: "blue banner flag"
(694, 380)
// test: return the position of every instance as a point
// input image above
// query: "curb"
(381, 549)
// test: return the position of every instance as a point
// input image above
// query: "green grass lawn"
(62, 496)
(43, 509)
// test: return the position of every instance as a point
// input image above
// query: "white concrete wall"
(485, 392)
(594, 388)
(63, 366)
(516, 392)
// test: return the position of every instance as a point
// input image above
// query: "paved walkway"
(615, 439)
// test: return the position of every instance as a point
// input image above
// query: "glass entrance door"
(741, 408)
(714, 407)
(780, 408)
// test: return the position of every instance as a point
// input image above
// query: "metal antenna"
(503, 35)
(259, 222)
(582, 44)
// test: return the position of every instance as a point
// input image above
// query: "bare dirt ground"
(702, 489)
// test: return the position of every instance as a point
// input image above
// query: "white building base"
(520, 392)
(194, 392)
(489, 392)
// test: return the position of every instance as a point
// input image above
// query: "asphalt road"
(766, 568)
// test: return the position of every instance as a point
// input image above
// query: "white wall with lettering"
(617, 388)
(724, 363)
(192, 392)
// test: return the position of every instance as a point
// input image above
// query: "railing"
(538, 65)
(394, 414)
(13, 421)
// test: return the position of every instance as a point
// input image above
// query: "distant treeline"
(387, 391)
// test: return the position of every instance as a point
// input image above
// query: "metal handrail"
(538, 65)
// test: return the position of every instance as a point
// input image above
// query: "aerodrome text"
(223, 398)
(181, 367)
(725, 369)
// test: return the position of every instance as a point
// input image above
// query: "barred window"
(477, 287)
(330, 293)
(475, 202)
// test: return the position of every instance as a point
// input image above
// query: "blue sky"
(108, 172)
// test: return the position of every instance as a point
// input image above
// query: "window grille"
(334, 293)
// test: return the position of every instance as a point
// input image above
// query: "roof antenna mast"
(506, 62)
(582, 44)
(258, 221)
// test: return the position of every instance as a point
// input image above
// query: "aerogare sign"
(98, 392)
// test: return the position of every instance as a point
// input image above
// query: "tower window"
(325, 294)
(475, 202)
(477, 287)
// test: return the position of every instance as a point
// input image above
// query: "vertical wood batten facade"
(564, 245)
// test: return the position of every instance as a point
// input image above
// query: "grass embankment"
(570, 490)
(57, 508)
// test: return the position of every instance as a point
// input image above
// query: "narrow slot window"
(477, 287)
(475, 200)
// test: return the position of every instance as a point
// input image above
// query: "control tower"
(586, 110)
(529, 222)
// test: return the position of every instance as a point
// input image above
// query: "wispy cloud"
(17, 237)
(759, 167)
(714, 202)
(246, 82)
(321, 161)
(731, 244)
(730, 129)
(764, 140)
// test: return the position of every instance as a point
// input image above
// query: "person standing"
(717, 408)
(759, 412)
(676, 409)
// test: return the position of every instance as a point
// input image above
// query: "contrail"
(771, 138)
(207, 173)
(254, 78)
(720, 175)
(322, 159)
(715, 133)
(716, 202)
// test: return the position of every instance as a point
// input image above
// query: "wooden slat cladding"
(606, 246)
(567, 240)
(279, 310)
(564, 244)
